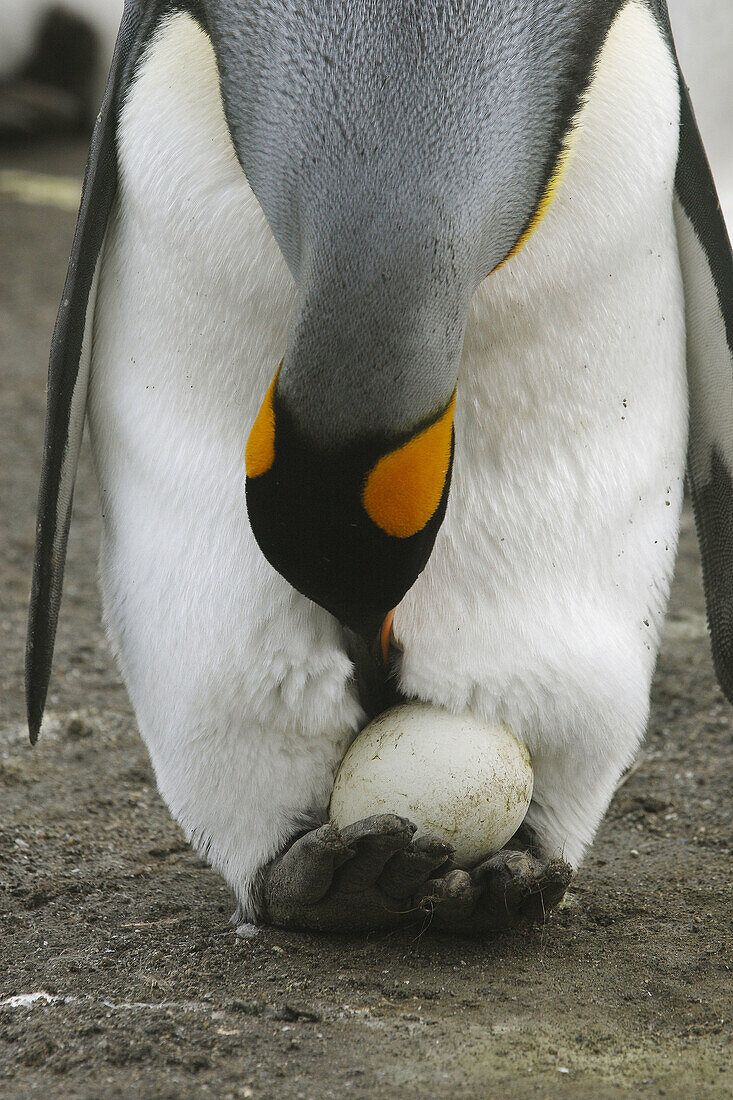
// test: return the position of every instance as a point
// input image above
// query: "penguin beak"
(370, 651)
(377, 641)
(385, 636)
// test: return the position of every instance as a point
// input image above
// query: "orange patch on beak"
(403, 490)
(260, 451)
(385, 635)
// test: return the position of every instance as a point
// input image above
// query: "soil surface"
(119, 973)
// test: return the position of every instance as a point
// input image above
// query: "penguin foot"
(509, 888)
(373, 876)
(361, 878)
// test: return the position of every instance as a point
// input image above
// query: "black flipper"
(69, 364)
(707, 270)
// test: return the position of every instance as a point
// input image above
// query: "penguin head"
(350, 527)
(349, 459)
(400, 153)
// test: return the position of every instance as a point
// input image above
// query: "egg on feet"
(422, 807)
(459, 780)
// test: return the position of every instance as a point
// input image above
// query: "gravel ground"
(121, 934)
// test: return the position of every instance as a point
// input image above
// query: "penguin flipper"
(707, 269)
(68, 371)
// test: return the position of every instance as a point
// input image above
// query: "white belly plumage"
(542, 603)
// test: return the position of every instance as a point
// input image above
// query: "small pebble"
(247, 931)
(76, 728)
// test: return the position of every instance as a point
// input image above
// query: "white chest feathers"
(560, 536)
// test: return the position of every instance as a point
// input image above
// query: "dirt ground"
(121, 934)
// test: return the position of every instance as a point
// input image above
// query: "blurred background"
(54, 59)
(704, 35)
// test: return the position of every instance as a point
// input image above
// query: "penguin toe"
(451, 900)
(409, 870)
(515, 886)
(375, 840)
(548, 891)
(304, 872)
(327, 880)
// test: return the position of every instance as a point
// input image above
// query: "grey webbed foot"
(361, 878)
(373, 876)
(507, 889)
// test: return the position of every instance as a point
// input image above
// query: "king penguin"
(390, 314)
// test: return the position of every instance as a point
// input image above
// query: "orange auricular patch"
(402, 492)
(259, 454)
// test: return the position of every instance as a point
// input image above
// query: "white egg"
(456, 778)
